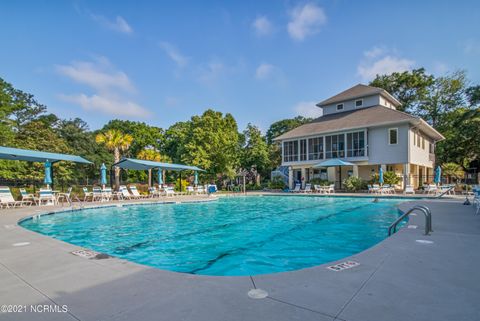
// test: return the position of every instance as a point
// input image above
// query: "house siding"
(419, 155)
(379, 149)
(350, 104)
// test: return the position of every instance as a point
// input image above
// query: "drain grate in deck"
(343, 266)
(91, 255)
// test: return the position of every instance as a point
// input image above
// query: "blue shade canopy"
(36, 156)
(438, 175)
(196, 178)
(140, 164)
(160, 176)
(380, 176)
(48, 173)
(103, 174)
(333, 163)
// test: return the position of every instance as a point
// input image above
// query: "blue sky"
(164, 61)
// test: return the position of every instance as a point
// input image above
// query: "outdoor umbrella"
(335, 163)
(103, 175)
(380, 176)
(48, 173)
(195, 182)
(438, 175)
(160, 176)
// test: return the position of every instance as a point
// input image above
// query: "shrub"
(354, 184)
(389, 178)
(184, 185)
(276, 183)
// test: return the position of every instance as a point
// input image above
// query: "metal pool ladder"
(421, 208)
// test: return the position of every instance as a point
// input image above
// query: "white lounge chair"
(297, 188)
(431, 189)
(169, 191)
(122, 189)
(190, 190)
(409, 190)
(46, 196)
(107, 194)
(308, 188)
(97, 194)
(317, 188)
(153, 192)
(6, 198)
(26, 197)
(135, 193)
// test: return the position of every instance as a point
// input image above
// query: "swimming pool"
(232, 236)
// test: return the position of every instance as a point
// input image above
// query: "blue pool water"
(232, 236)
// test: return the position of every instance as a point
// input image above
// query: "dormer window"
(359, 103)
(340, 107)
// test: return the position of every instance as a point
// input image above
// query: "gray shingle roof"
(357, 91)
(360, 118)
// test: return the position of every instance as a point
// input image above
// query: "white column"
(304, 177)
(406, 175)
(355, 171)
(332, 174)
(290, 177)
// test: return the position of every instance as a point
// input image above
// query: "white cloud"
(211, 72)
(109, 105)
(174, 54)
(99, 75)
(119, 24)
(381, 61)
(307, 109)
(262, 26)
(264, 71)
(111, 88)
(306, 20)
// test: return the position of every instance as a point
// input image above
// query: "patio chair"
(6, 198)
(26, 197)
(317, 188)
(297, 188)
(190, 190)
(200, 189)
(65, 196)
(87, 194)
(431, 189)
(135, 193)
(46, 196)
(409, 190)
(152, 192)
(328, 189)
(169, 191)
(375, 188)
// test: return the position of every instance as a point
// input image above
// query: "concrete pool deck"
(398, 279)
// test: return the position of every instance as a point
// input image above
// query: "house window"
(393, 136)
(418, 140)
(303, 149)
(290, 151)
(340, 107)
(315, 148)
(359, 103)
(335, 146)
(356, 144)
(423, 143)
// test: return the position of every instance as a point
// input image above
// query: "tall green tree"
(282, 126)
(410, 88)
(255, 152)
(117, 142)
(212, 143)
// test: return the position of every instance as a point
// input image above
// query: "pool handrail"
(428, 219)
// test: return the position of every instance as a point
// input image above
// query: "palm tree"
(151, 155)
(118, 142)
(452, 170)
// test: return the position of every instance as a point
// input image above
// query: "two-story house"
(361, 125)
